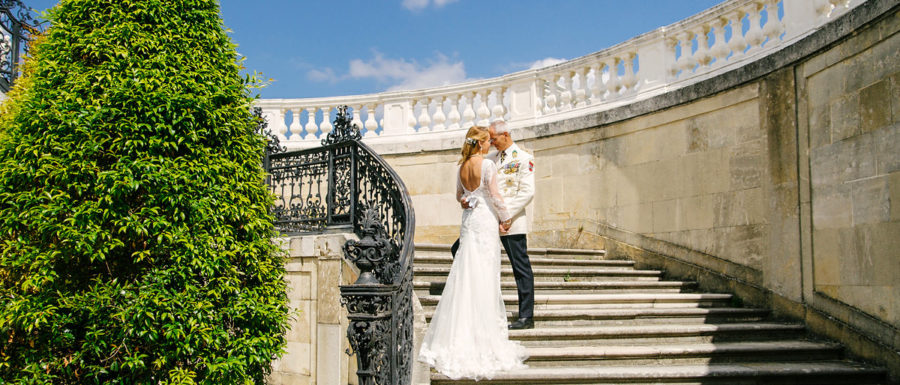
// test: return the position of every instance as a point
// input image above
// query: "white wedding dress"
(468, 336)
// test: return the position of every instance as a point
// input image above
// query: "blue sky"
(346, 47)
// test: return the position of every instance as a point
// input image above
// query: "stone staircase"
(601, 321)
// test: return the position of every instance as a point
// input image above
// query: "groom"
(515, 180)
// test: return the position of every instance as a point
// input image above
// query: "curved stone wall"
(778, 181)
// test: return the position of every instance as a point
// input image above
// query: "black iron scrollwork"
(17, 26)
(345, 183)
(273, 144)
(375, 253)
(344, 129)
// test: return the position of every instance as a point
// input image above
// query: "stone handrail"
(671, 57)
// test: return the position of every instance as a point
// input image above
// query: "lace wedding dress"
(468, 335)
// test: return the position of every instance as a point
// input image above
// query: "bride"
(468, 334)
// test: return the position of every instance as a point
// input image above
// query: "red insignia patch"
(530, 166)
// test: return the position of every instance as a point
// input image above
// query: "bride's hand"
(504, 226)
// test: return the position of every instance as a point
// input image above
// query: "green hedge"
(136, 245)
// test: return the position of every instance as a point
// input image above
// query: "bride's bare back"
(470, 173)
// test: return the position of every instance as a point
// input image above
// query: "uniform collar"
(508, 151)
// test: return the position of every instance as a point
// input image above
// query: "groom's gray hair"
(499, 127)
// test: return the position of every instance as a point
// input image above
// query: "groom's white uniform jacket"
(515, 180)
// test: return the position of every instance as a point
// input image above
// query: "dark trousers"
(516, 246)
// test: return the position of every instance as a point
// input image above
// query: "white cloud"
(545, 62)
(400, 74)
(323, 75)
(418, 5)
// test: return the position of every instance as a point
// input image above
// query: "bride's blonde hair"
(470, 147)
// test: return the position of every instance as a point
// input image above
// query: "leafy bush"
(135, 239)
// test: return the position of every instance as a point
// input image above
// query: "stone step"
(622, 317)
(580, 274)
(446, 260)
(628, 300)
(656, 334)
(757, 373)
(581, 287)
(705, 353)
(431, 249)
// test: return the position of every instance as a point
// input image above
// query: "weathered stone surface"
(300, 329)
(885, 57)
(697, 212)
(895, 97)
(894, 187)
(827, 250)
(739, 208)
(843, 161)
(832, 207)
(872, 112)
(857, 71)
(845, 117)
(329, 355)
(887, 149)
(299, 285)
(666, 216)
(871, 201)
(328, 292)
(820, 125)
(746, 165)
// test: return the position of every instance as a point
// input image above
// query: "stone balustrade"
(717, 40)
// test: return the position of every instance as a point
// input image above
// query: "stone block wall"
(850, 95)
(780, 179)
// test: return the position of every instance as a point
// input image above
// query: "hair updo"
(476, 135)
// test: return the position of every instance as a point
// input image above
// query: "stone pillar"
(316, 337)
(777, 105)
(331, 320)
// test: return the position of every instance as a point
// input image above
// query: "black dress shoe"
(522, 323)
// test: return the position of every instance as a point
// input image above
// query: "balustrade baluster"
(613, 84)
(311, 127)
(630, 78)
(553, 98)
(469, 112)
(484, 113)
(357, 121)
(567, 96)
(597, 88)
(275, 118)
(371, 124)
(737, 43)
(702, 55)
(326, 126)
(296, 129)
(498, 110)
(439, 117)
(774, 27)
(581, 93)
(424, 118)
(754, 35)
(540, 95)
(672, 45)
(719, 50)
(453, 118)
(686, 61)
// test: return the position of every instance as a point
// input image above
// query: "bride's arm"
(459, 189)
(496, 198)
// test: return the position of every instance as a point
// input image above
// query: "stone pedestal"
(316, 340)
